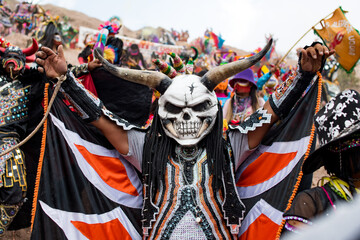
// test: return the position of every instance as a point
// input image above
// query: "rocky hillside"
(77, 19)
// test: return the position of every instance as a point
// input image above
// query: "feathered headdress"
(111, 26)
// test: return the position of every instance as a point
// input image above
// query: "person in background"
(116, 44)
(52, 37)
(222, 93)
(135, 59)
(267, 83)
(338, 128)
(5, 22)
(244, 100)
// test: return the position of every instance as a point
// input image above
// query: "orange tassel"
(41, 158)
(298, 180)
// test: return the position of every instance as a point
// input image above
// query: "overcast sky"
(242, 23)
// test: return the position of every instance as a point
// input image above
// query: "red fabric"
(88, 83)
(103, 230)
(240, 89)
(111, 170)
(257, 172)
(81, 60)
(215, 38)
(261, 228)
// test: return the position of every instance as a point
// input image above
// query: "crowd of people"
(187, 158)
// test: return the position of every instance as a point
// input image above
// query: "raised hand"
(53, 64)
(311, 58)
(94, 64)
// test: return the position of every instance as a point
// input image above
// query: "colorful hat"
(247, 74)
(112, 27)
(272, 82)
(336, 121)
(223, 85)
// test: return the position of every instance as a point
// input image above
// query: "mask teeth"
(204, 126)
(187, 128)
(167, 123)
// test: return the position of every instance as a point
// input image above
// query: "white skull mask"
(188, 110)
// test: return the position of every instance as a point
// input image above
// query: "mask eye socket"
(202, 106)
(14, 54)
(171, 108)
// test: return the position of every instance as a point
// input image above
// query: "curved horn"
(30, 59)
(216, 59)
(196, 53)
(32, 49)
(220, 73)
(155, 80)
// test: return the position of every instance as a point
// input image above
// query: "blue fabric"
(266, 97)
(262, 80)
(222, 100)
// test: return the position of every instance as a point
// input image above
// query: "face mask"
(57, 39)
(188, 110)
(242, 87)
(13, 62)
(16, 63)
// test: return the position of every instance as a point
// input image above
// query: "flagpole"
(313, 27)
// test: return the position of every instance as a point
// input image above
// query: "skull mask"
(188, 110)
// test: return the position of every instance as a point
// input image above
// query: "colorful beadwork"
(300, 219)
(345, 145)
(13, 103)
(7, 214)
(292, 228)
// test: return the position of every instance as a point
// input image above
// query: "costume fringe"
(41, 158)
(296, 187)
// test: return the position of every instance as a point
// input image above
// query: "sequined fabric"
(12, 166)
(185, 218)
(13, 101)
(188, 207)
(7, 215)
(188, 229)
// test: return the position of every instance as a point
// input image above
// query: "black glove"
(85, 103)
